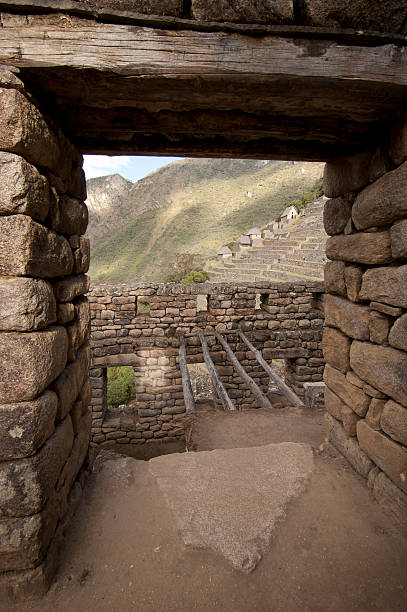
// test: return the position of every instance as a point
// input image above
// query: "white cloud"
(102, 165)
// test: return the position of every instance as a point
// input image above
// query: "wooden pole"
(285, 390)
(217, 383)
(186, 380)
(253, 386)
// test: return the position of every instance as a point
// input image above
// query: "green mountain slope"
(189, 206)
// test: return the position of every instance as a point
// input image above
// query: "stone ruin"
(330, 85)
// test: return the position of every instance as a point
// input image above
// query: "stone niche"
(365, 313)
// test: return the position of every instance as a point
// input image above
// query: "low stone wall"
(365, 339)
(284, 321)
(44, 328)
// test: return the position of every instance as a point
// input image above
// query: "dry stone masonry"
(177, 78)
(44, 327)
(364, 339)
(284, 321)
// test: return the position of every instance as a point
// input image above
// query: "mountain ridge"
(188, 206)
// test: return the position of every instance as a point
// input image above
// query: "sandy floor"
(336, 550)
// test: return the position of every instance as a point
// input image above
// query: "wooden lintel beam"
(132, 50)
(285, 390)
(186, 380)
(217, 383)
(263, 401)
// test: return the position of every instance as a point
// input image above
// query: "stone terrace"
(295, 253)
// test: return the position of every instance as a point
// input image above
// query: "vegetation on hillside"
(190, 206)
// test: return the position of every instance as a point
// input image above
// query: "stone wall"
(44, 327)
(359, 14)
(284, 321)
(365, 339)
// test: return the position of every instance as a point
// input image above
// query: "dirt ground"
(336, 550)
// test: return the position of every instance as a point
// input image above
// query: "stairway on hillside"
(296, 252)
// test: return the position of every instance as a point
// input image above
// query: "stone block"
(337, 212)
(30, 249)
(26, 426)
(383, 367)
(81, 256)
(348, 447)
(353, 396)
(334, 277)
(79, 331)
(170, 8)
(398, 239)
(349, 420)
(26, 304)
(67, 289)
(24, 540)
(27, 484)
(379, 325)
(77, 456)
(363, 247)
(398, 333)
(398, 142)
(260, 11)
(24, 190)
(388, 455)
(65, 312)
(394, 421)
(393, 499)
(30, 362)
(336, 347)
(383, 202)
(392, 311)
(71, 381)
(350, 318)
(387, 285)
(374, 413)
(346, 174)
(23, 130)
(353, 281)
(9, 80)
(333, 404)
(357, 14)
(69, 216)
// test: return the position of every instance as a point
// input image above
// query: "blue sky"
(132, 168)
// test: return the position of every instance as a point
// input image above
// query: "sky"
(132, 168)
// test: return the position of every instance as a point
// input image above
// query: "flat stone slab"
(231, 501)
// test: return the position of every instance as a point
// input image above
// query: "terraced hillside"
(190, 206)
(296, 252)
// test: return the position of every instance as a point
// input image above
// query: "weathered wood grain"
(186, 380)
(131, 50)
(129, 89)
(285, 390)
(263, 401)
(217, 383)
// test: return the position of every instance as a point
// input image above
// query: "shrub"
(120, 386)
(195, 276)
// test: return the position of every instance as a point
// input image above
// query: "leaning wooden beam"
(253, 386)
(186, 380)
(285, 390)
(220, 389)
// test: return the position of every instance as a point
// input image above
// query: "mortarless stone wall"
(44, 328)
(365, 338)
(283, 320)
